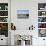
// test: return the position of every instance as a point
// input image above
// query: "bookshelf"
(4, 19)
(42, 19)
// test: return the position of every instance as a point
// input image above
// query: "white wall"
(23, 24)
(32, 6)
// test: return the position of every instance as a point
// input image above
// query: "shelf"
(3, 16)
(41, 22)
(42, 16)
(3, 22)
(41, 28)
(41, 10)
(3, 10)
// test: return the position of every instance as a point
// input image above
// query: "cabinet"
(42, 19)
(42, 41)
(4, 22)
(3, 40)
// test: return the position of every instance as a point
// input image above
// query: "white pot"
(22, 43)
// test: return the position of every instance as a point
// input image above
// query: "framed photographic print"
(22, 14)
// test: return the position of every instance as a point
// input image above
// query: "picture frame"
(22, 14)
